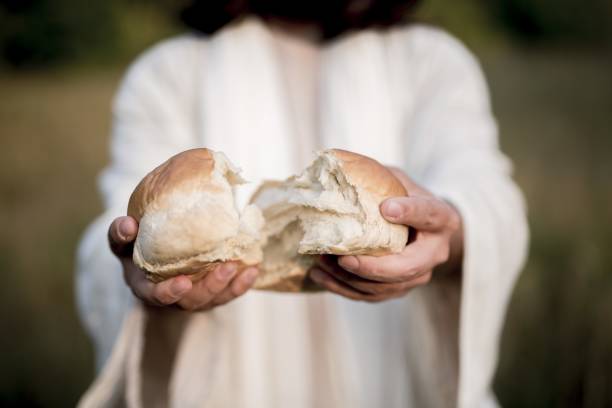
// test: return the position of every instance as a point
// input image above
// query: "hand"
(435, 241)
(220, 286)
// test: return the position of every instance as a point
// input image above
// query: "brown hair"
(333, 17)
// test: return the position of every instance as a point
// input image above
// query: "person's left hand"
(436, 239)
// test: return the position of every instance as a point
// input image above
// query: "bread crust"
(372, 182)
(195, 165)
(369, 174)
(188, 223)
(167, 190)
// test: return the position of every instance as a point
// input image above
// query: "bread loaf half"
(188, 220)
(331, 208)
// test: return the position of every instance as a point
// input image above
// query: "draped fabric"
(412, 97)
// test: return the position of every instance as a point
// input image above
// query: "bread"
(188, 221)
(331, 208)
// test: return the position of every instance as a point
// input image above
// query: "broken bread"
(189, 223)
(331, 208)
(188, 220)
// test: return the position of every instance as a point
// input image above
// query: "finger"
(238, 286)
(370, 286)
(121, 235)
(360, 284)
(171, 291)
(205, 290)
(413, 261)
(421, 212)
(160, 294)
(328, 282)
(330, 265)
(333, 285)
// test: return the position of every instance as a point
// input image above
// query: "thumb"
(121, 235)
(392, 209)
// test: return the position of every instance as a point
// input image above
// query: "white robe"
(412, 97)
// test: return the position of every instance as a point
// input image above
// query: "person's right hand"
(220, 286)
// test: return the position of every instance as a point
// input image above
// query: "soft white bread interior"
(331, 208)
(188, 220)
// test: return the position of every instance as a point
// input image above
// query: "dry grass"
(53, 129)
(554, 112)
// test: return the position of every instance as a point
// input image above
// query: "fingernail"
(180, 286)
(392, 209)
(225, 271)
(350, 263)
(123, 230)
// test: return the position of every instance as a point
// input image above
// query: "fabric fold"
(275, 350)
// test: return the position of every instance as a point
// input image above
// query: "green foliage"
(467, 19)
(40, 32)
(551, 20)
(43, 32)
(35, 33)
(553, 110)
(485, 23)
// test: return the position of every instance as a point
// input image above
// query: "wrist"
(453, 266)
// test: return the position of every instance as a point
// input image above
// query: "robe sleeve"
(466, 167)
(152, 120)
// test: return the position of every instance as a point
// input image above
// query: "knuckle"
(367, 288)
(188, 305)
(238, 289)
(410, 271)
(211, 289)
(406, 209)
(383, 289)
(394, 289)
(162, 297)
(402, 290)
(432, 218)
(415, 273)
(354, 296)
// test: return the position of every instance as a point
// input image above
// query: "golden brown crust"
(296, 284)
(195, 272)
(179, 169)
(369, 174)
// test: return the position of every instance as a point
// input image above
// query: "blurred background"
(549, 65)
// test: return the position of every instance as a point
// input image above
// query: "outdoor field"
(554, 107)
